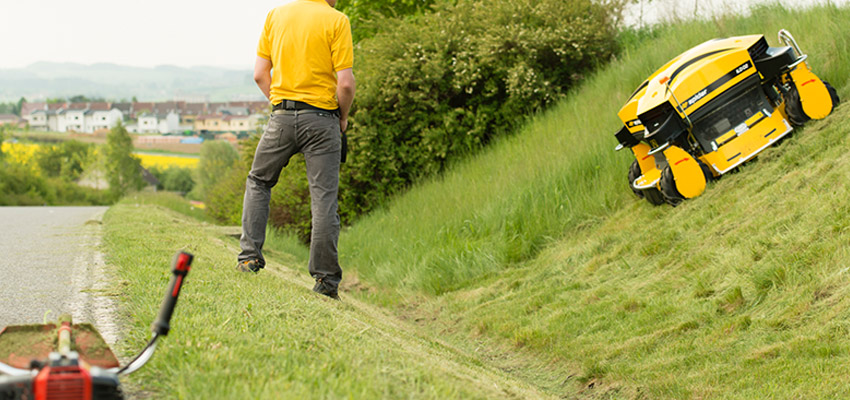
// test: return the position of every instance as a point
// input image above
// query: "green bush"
(369, 16)
(448, 82)
(66, 159)
(19, 186)
(174, 179)
(225, 194)
(217, 159)
(224, 198)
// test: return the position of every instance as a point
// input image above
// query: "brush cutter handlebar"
(180, 267)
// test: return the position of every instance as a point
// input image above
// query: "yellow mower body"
(714, 107)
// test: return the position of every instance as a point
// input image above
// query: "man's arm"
(345, 89)
(262, 75)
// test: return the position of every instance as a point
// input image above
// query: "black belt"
(299, 105)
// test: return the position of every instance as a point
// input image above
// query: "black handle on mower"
(180, 268)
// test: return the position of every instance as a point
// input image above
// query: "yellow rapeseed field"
(24, 153)
(167, 161)
(21, 153)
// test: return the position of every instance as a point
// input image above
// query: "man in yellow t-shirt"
(304, 67)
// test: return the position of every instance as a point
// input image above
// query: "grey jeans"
(317, 136)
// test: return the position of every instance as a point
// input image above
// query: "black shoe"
(249, 266)
(326, 289)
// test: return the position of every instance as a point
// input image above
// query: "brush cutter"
(72, 361)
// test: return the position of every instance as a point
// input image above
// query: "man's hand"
(343, 124)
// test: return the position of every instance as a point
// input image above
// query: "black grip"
(343, 154)
(180, 268)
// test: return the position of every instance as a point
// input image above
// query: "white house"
(147, 124)
(72, 120)
(97, 120)
(38, 120)
(169, 123)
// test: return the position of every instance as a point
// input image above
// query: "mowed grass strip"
(267, 336)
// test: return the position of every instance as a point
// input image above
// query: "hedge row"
(450, 81)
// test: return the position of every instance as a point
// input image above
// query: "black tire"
(794, 108)
(653, 196)
(634, 173)
(668, 188)
(833, 94)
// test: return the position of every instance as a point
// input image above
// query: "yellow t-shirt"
(307, 41)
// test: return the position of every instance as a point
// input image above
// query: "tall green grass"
(558, 174)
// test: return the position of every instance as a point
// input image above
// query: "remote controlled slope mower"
(72, 361)
(713, 108)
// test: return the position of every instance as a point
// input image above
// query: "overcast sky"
(136, 33)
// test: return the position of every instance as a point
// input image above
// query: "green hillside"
(532, 271)
(539, 242)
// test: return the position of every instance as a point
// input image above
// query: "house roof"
(57, 106)
(138, 106)
(124, 107)
(167, 106)
(9, 117)
(194, 108)
(100, 106)
(77, 106)
(213, 108)
(29, 108)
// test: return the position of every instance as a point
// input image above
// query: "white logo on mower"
(697, 97)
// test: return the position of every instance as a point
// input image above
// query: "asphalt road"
(50, 264)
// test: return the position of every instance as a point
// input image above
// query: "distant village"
(172, 121)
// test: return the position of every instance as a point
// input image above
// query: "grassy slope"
(534, 257)
(506, 204)
(268, 336)
(538, 242)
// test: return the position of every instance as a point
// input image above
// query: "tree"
(19, 106)
(123, 171)
(66, 160)
(217, 158)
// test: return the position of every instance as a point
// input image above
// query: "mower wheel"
(794, 108)
(634, 173)
(833, 94)
(653, 196)
(668, 188)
